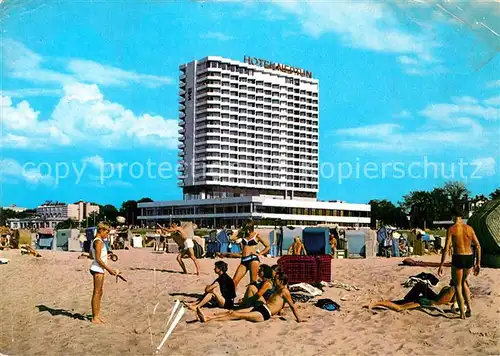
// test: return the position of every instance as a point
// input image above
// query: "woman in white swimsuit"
(99, 265)
(249, 257)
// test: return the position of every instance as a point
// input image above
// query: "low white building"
(34, 222)
(266, 211)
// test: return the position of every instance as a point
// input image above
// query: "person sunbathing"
(297, 248)
(221, 291)
(421, 295)
(259, 291)
(262, 312)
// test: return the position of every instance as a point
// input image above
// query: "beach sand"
(45, 299)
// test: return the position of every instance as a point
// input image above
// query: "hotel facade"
(248, 148)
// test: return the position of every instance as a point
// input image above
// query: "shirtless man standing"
(186, 246)
(263, 311)
(461, 236)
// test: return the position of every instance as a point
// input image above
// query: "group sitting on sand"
(266, 294)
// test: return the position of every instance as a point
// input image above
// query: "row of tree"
(421, 208)
(108, 212)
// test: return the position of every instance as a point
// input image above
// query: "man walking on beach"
(461, 236)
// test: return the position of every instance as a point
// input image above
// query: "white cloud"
(217, 36)
(83, 117)
(369, 131)
(493, 84)
(448, 111)
(448, 126)
(22, 63)
(465, 100)
(486, 166)
(93, 72)
(408, 60)
(12, 171)
(403, 114)
(28, 92)
(365, 25)
(493, 101)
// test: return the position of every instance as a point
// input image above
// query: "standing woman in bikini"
(99, 265)
(249, 257)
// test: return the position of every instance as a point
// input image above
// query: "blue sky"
(86, 86)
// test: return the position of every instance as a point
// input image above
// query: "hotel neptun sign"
(277, 66)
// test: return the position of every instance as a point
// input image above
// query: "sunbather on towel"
(263, 311)
(421, 295)
(259, 291)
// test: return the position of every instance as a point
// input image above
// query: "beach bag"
(327, 304)
(198, 250)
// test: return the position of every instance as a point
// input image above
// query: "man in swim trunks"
(186, 231)
(263, 311)
(421, 295)
(221, 290)
(461, 236)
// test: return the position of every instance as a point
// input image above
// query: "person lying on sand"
(259, 291)
(263, 311)
(222, 290)
(421, 295)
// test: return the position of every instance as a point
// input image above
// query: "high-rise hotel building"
(249, 148)
(248, 129)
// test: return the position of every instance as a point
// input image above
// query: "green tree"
(107, 213)
(495, 194)
(67, 224)
(386, 213)
(419, 205)
(145, 200)
(129, 211)
(458, 196)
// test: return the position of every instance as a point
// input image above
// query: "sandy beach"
(45, 301)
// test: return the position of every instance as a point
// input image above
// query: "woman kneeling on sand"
(99, 264)
(263, 311)
(250, 258)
